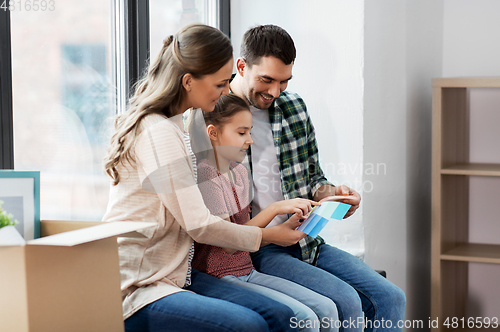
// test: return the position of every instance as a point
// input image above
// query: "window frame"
(225, 17)
(6, 119)
(131, 46)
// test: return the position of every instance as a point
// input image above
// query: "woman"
(153, 177)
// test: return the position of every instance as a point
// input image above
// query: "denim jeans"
(276, 315)
(222, 307)
(310, 308)
(349, 282)
(185, 311)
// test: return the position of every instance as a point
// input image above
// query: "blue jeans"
(276, 315)
(185, 311)
(349, 282)
(310, 308)
(226, 307)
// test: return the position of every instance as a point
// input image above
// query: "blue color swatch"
(321, 215)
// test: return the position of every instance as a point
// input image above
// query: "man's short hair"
(267, 40)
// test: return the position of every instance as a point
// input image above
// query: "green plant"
(6, 219)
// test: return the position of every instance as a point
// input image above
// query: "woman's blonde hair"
(196, 49)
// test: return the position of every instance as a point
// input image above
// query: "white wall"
(328, 74)
(402, 53)
(384, 136)
(423, 62)
(471, 38)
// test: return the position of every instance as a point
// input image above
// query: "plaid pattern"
(297, 153)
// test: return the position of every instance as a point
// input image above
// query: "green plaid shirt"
(297, 153)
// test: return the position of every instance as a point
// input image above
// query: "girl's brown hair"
(226, 107)
(196, 49)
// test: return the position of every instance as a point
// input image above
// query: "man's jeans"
(313, 311)
(342, 277)
(243, 310)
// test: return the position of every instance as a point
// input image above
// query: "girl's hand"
(300, 206)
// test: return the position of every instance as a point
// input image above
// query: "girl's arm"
(299, 206)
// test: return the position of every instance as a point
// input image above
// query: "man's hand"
(328, 192)
(354, 200)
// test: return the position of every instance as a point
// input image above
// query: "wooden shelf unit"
(451, 251)
(473, 169)
(474, 252)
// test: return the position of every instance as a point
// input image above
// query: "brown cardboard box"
(52, 227)
(67, 282)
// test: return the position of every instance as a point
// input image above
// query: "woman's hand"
(284, 234)
(300, 206)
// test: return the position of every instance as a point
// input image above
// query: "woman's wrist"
(267, 236)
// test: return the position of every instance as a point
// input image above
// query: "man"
(285, 165)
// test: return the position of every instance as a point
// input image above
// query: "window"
(63, 100)
(86, 87)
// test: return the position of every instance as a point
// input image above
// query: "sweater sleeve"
(165, 169)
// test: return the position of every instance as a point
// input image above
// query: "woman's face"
(206, 91)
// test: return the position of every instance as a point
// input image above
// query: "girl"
(154, 180)
(224, 185)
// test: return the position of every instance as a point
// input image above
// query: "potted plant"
(6, 219)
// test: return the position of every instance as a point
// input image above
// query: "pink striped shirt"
(223, 198)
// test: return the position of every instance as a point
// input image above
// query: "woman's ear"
(212, 132)
(187, 80)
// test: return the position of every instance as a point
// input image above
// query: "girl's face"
(205, 92)
(232, 140)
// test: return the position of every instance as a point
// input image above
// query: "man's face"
(264, 81)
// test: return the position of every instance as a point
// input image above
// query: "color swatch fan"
(321, 215)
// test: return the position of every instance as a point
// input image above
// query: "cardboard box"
(66, 282)
(52, 227)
